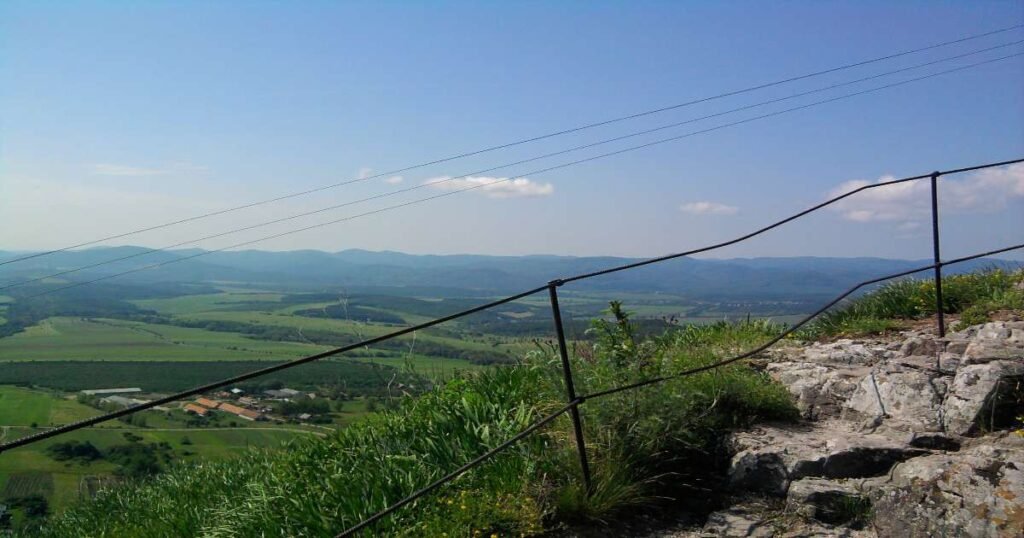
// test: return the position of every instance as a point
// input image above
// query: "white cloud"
(982, 191)
(494, 187)
(120, 170)
(394, 180)
(708, 208)
(365, 172)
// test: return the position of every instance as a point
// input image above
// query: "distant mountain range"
(746, 278)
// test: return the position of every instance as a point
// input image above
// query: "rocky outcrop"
(907, 432)
(978, 492)
(820, 390)
(756, 519)
(898, 392)
(768, 459)
(993, 341)
(919, 383)
(977, 393)
(829, 501)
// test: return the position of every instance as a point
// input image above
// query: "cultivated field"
(30, 470)
(66, 338)
(170, 344)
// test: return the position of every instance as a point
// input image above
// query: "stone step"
(754, 519)
(768, 458)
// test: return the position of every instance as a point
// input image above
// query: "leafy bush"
(139, 460)
(74, 450)
(35, 506)
(640, 437)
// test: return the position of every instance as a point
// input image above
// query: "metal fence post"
(570, 389)
(935, 252)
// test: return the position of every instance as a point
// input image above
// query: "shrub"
(74, 450)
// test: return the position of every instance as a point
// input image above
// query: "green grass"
(169, 376)
(29, 470)
(320, 486)
(23, 407)
(206, 445)
(974, 295)
(350, 328)
(200, 303)
(66, 338)
(426, 365)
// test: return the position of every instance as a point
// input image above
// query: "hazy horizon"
(702, 256)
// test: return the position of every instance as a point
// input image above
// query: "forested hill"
(765, 278)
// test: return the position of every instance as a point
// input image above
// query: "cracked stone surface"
(769, 458)
(901, 423)
(972, 389)
(900, 437)
(978, 492)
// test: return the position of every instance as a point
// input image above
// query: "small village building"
(251, 415)
(247, 414)
(237, 391)
(121, 401)
(208, 403)
(281, 394)
(305, 416)
(196, 409)
(248, 401)
(229, 408)
(98, 392)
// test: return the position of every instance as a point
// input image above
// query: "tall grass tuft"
(973, 295)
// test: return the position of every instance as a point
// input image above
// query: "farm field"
(173, 343)
(23, 407)
(172, 376)
(426, 365)
(206, 302)
(251, 325)
(360, 331)
(31, 470)
(4, 299)
(67, 338)
(62, 487)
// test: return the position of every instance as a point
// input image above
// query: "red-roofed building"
(197, 409)
(208, 403)
(247, 414)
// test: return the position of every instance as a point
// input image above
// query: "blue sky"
(115, 116)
